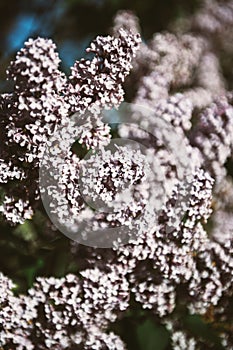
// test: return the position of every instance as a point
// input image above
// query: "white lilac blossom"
(171, 63)
(34, 66)
(158, 127)
(214, 20)
(105, 177)
(108, 189)
(180, 339)
(99, 80)
(169, 256)
(16, 210)
(223, 235)
(43, 98)
(182, 264)
(9, 172)
(107, 173)
(178, 62)
(15, 317)
(126, 20)
(213, 135)
(61, 313)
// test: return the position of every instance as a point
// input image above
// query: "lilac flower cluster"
(213, 135)
(51, 316)
(42, 100)
(183, 263)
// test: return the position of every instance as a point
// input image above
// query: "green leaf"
(152, 336)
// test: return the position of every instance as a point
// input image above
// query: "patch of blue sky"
(72, 50)
(29, 24)
(25, 26)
